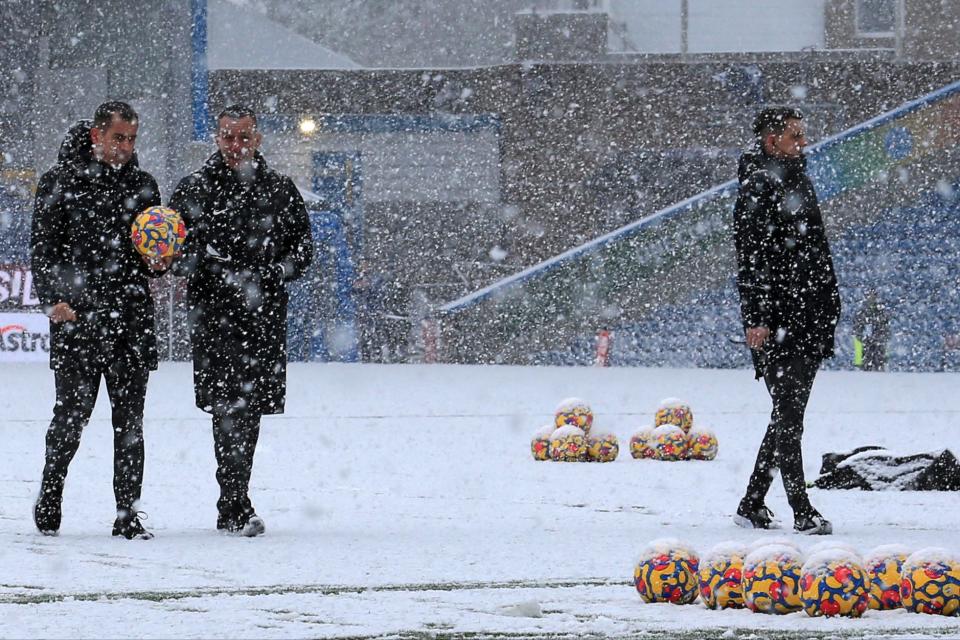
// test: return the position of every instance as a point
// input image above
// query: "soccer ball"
(667, 572)
(771, 580)
(720, 576)
(540, 444)
(158, 232)
(669, 443)
(602, 447)
(568, 444)
(930, 583)
(641, 444)
(883, 565)
(675, 412)
(703, 445)
(574, 411)
(834, 583)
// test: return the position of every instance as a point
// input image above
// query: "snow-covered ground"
(402, 501)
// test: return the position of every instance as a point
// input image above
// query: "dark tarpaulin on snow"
(873, 468)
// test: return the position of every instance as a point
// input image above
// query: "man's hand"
(159, 263)
(62, 312)
(756, 336)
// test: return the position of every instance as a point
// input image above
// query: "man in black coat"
(93, 285)
(248, 235)
(871, 328)
(789, 303)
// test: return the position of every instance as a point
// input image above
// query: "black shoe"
(249, 525)
(46, 513)
(812, 524)
(129, 526)
(750, 517)
(253, 527)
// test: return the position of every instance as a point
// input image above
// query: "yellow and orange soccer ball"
(540, 443)
(641, 444)
(930, 583)
(669, 443)
(883, 565)
(158, 232)
(771, 580)
(568, 444)
(667, 572)
(702, 445)
(721, 576)
(676, 412)
(834, 584)
(575, 412)
(602, 447)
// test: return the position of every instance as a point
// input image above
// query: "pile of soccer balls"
(572, 436)
(673, 436)
(776, 577)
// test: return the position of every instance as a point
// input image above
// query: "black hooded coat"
(82, 254)
(785, 273)
(246, 236)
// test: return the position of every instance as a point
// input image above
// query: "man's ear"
(96, 136)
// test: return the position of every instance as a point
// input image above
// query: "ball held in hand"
(158, 232)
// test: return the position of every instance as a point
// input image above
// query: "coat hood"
(76, 151)
(755, 159)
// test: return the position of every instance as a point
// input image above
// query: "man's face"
(790, 143)
(114, 145)
(237, 139)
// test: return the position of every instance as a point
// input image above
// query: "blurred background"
(519, 181)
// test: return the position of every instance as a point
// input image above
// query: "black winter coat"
(82, 254)
(246, 236)
(785, 273)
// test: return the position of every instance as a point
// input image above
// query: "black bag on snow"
(873, 468)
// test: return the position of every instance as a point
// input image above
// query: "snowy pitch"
(402, 501)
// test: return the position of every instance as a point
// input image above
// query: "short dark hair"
(106, 112)
(237, 111)
(774, 120)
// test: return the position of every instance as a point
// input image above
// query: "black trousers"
(789, 385)
(235, 438)
(77, 387)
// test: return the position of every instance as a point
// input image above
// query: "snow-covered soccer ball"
(782, 541)
(568, 444)
(834, 583)
(669, 443)
(576, 412)
(676, 412)
(667, 572)
(602, 447)
(703, 444)
(720, 576)
(158, 232)
(883, 565)
(930, 582)
(540, 444)
(641, 444)
(771, 579)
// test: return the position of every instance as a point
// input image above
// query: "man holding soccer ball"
(93, 285)
(248, 235)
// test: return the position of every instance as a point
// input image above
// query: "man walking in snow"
(248, 235)
(93, 286)
(789, 304)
